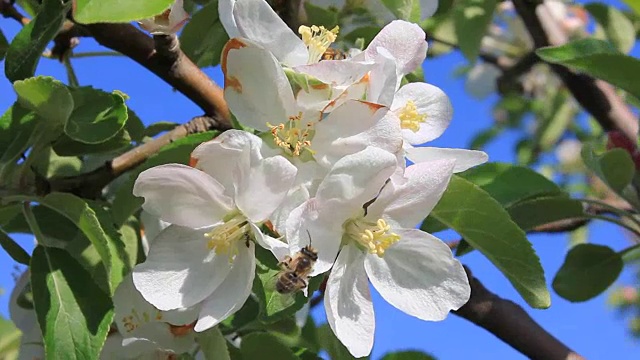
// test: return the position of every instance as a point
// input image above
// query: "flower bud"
(167, 23)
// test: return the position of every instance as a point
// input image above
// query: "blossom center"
(375, 238)
(292, 136)
(410, 118)
(222, 238)
(133, 320)
(317, 39)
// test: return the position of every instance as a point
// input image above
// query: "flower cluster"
(324, 162)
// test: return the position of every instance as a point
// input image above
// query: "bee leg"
(284, 264)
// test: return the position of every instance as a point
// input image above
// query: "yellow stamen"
(410, 118)
(377, 238)
(293, 138)
(318, 39)
(223, 237)
(135, 319)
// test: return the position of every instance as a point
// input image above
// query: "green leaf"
(254, 345)
(273, 305)
(509, 184)
(408, 355)
(484, 223)
(9, 340)
(97, 116)
(73, 313)
(115, 11)
(213, 345)
(330, 343)
(14, 250)
(158, 127)
(472, 18)
(532, 213)
(615, 167)
(27, 46)
(588, 270)
(402, 9)
(320, 16)
(17, 127)
(47, 96)
(617, 27)
(598, 59)
(4, 45)
(52, 164)
(66, 146)
(204, 37)
(634, 5)
(179, 151)
(134, 126)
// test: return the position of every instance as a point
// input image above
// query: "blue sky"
(591, 328)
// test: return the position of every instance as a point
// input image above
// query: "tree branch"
(9, 11)
(162, 56)
(595, 96)
(511, 324)
(89, 185)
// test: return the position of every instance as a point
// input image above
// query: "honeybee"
(295, 270)
(334, 54)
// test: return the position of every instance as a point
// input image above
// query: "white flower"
(481, 80)
(145, 329)
(31, 343)
(167, 23)
(206, 256)
(412, 270)
(151, 226)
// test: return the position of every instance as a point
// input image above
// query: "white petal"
(406, 204)
(219, 156)
(152, 226)
(351, 128)
(278, 248)
(405, 41)
(232, 293)
(428, 8)
(305, 226)
(257, 22)
(481, 80)
(384, 78)
(247, 69)
(429, 101)
(262, 189)
(347, 302)
(419, 276)
(294, 198)
(180, 270)
(182, 195)
(355, 179)
(465, 159)
(225, 14)
(337, 72)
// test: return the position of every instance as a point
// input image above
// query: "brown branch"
(509, 79)
(162, 56)
(90, 185)
(511, 324)
(595, 96)
(9, 11)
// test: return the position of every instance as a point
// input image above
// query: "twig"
(596, 97)
(511, 324)
(510, 75)
(9, 11)
(504, 63)
(163, 57)
(89, 185)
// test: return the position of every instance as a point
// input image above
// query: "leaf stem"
(95, 53)
(614, 210)
(71, 73)
(32, 222)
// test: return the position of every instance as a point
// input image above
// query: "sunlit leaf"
(95, 11)
(472, 19)
(617, 27)
(97, 116)
(213, 345)
(47, 97)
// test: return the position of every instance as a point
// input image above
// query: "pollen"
(223, 237)
(317, 39)
(133, 320)
(292, 137)
(377, 239)
(410, 118)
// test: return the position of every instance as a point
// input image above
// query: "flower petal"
(306, 227)
(384, 79)
(218, 156)
(351, 128)
(180, 270)
(225, 14)
(247, 69)
(182, 195)
(278, 248)
(465, 159)
(419, 276)
(407, 202)
(481, 80)
(428, 8)
(262, 189)
(347, 302)
(257, 21)
(232, 293)
(337, 72)
(405, 41)
(430, 102)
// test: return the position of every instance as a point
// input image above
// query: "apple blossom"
(167, 23)
(31, 343)
(206, 256)
(412, 270)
